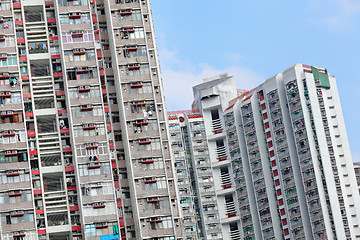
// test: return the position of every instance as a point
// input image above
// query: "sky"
(254, 40)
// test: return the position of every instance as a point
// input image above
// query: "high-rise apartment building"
(194, 175)
(279, 157)
(293, 143)
(84, 144)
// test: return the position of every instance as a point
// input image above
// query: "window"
(89, 130)
(24, 70)
(54, 50)
(53, 182)
(136, 51)
(129, 15)
(87, 111)
(137, 69)
(97, 230)
(154, 203)
(77, 36)
(74, 18)
(5, 5)
(277, 122)
(13, 156)
(33, 14)
(79, 55)
(132, 33)
(14, 176)
(91, 149)
(97, 189)
(79, 74)
(6, 197)
(159, 223)
(10, 60)
(15, 217)
(8, 41)
(91, 209)
(75, 93)
(152, 144)
(84, 170)
(12, 137)
(15, 97)
(149, 125)
(152, 184)
(274, 104)
(126, 1)
(40, 68)
(66, 3)
(46, 124)
(140, 88)
(147, 107)
(150, 163)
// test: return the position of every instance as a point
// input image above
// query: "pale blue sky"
(254, 40)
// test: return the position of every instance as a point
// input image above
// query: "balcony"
(55, 201)
(225, 181)
(247, 119)
(216, 126)
(246, 109)
(278, 125)
(230, 210)
(221, 153)
(295, 106)
(293, 96)
(235, 234)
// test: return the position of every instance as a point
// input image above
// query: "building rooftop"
(211, 83)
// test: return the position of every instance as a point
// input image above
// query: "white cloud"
(349, 6)
(180, 76)
(337, 15)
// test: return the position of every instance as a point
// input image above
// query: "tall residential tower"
(84, 144)
(280, 161)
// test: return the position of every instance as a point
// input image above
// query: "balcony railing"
(225, 181)
(221, 153)
(230, 209)
(235, 234)
(216, 126)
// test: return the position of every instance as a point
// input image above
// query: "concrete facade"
(84, 139)
(280, 155)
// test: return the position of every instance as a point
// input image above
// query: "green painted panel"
(322, 77)
(315, 72)
(324, 80)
